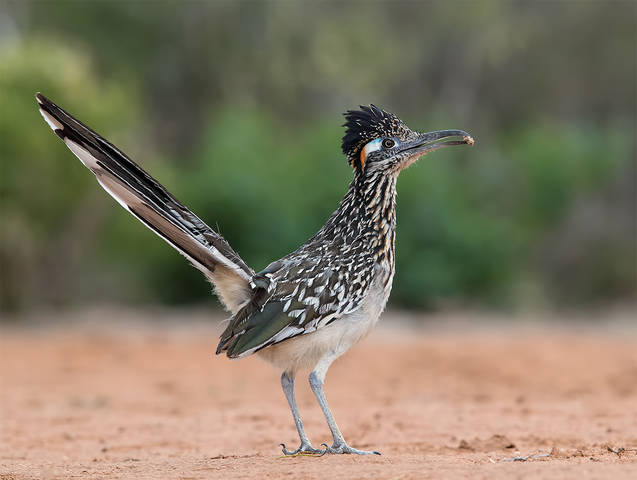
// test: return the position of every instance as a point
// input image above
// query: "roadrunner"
(308, 308)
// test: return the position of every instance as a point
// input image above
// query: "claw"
(304, 449)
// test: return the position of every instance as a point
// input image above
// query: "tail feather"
(150, 202)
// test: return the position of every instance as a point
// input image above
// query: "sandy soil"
(140, 401)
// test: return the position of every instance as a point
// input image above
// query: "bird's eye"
(388, 143)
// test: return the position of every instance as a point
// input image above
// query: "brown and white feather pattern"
(330, 275)
(327, 278)
(154, 206)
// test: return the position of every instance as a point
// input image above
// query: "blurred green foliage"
(234, 107)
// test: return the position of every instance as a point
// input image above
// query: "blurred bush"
(50, 218)
(234, 106)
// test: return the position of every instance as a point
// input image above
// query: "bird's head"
(376, 141)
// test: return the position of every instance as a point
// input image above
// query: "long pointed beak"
(427, 142)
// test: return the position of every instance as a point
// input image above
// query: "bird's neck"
(376, 196)
(367, 214)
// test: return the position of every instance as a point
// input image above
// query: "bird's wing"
(291, 300)
(150, 202)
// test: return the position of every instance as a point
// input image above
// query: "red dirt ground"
(141, 400)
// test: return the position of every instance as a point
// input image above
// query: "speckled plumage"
(311, 306)
(329, 275)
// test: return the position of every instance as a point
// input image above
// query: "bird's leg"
(287, 382)
(339, 445)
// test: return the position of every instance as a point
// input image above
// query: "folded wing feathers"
(149, 201)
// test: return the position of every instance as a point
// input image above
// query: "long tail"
(150, 202)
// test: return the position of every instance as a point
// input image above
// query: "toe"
(286, 451)
(304, 449)
(344, 448)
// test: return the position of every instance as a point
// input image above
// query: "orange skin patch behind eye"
(370, 147)
(363, 157)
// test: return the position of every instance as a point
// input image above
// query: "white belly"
(333, 340)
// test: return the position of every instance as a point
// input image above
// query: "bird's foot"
(304, 449)
(340, 448)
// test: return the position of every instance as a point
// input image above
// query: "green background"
(236, 108)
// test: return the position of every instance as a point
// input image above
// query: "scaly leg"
(339, 445)
(287, 382)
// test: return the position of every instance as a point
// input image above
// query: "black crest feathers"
(366, 124)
